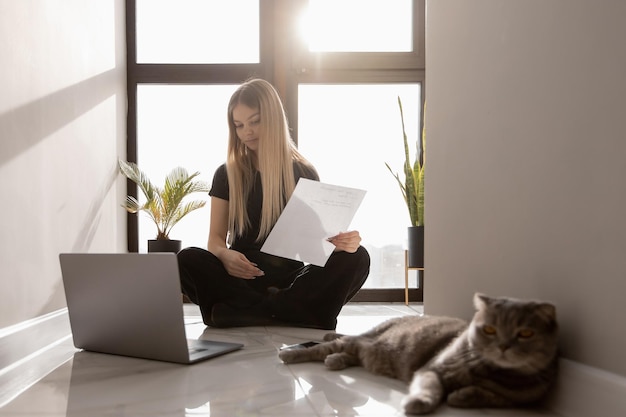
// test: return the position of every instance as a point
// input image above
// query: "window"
(340, 97)
(193, 31)
(181, 125)
(358, 126)
(357, 26)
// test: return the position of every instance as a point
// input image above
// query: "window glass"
(358, 26)
(197, 31)
(181, 125)
(349, 132)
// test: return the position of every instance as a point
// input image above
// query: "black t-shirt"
(247, 242)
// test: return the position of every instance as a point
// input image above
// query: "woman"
(234, 283)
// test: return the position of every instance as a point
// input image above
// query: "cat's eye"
(489, 330)
(525, 333)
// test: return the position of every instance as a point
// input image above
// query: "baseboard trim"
(24, 339)
(32, 349)
(583, 391)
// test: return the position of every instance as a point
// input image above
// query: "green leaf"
(413, 186)
(165, 205)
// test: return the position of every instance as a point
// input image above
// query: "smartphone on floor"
(303, 345)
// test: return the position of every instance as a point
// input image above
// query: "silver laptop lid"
(126, 304)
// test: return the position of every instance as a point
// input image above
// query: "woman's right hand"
(238, 265)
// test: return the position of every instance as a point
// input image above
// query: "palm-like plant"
(165, 205)
(413, 186)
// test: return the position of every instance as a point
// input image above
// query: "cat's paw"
(463, 397)
(474, 396)
(290, 356)
(335, 361)
(414, 404)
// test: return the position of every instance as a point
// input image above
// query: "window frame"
(285, 64)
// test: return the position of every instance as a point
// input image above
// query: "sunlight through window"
(358, 26)
(349, 131)
(194, 31)
(182, 125)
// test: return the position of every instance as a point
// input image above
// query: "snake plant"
(165, 205)
(413, 186)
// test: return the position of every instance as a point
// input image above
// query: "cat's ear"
(481, 301)
(547, 310)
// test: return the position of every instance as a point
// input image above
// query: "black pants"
(290, 291)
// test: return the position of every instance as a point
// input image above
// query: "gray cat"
(506, 356)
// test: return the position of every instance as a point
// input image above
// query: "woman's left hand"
(346, 241)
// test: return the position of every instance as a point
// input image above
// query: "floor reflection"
(105, 385)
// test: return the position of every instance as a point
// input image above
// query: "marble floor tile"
(249, 382)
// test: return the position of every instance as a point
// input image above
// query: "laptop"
(131, 304)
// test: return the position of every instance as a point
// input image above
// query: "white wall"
(62, 128)
(526, 163)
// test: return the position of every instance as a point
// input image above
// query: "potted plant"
(165, 206)
(412, 189)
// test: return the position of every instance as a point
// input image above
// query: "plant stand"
(420, 279)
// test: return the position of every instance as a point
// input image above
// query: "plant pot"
(164, 245)
(416, 246)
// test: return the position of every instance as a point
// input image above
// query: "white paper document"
(315, 212)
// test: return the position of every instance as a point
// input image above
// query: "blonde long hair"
(276, 153)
